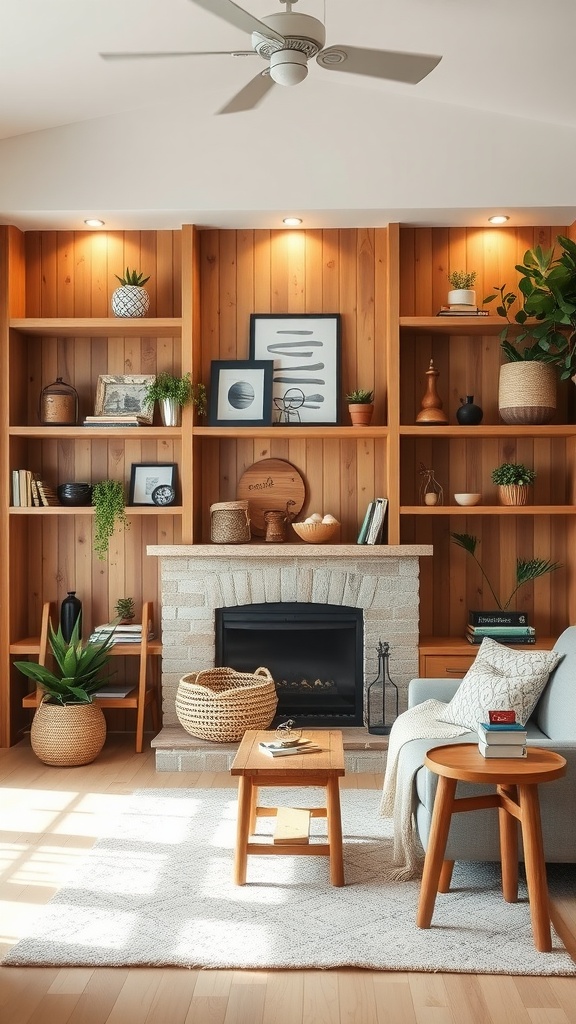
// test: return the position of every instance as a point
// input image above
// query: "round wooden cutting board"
(269, 484)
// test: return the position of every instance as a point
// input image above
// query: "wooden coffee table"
(516, 797)
(256, 770)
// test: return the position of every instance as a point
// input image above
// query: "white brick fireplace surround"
(197, 579)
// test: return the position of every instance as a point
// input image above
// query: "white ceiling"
(493, 128)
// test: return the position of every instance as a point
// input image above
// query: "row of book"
(505, 627)
(373, 525)
(116, 421)
(30, 492)
(506, 740)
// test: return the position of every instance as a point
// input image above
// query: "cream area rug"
(157, 889)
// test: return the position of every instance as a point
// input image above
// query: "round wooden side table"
(516, 797)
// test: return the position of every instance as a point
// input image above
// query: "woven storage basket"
(229, 522)
(67, 736)
(527, 392)
(221, 704)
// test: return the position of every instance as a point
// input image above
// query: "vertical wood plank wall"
(329, 271)
(451, 583)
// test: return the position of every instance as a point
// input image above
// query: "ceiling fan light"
(498, 218)
(288, 67)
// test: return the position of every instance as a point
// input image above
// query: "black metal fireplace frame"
(308, 617)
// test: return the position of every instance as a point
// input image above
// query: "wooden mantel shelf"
(287, 550)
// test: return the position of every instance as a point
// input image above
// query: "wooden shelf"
(454, 325)
(487, 510)
(87, 510)
(31, 645)
(502, 430)
(100, 327)
(306, 430)
(80, 433)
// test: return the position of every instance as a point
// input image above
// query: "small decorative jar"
(469, 415)
(58, 405)
(431, 492)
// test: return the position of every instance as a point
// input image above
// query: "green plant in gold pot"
(172, 393)
(109, 512)
(68, 727)
(360, 406)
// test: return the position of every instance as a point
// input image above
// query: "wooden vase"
(431, 411)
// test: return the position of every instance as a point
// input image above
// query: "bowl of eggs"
(316, 529)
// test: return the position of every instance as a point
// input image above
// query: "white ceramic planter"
(130, 300)
(462, 297)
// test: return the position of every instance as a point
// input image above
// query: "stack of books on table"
(506, 740)
(122, 633)
(505, 627)
(275, 749)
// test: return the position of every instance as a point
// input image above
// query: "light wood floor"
(50, 815)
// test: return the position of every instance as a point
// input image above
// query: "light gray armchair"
(474, 836)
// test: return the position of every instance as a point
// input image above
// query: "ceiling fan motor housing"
(304, 38)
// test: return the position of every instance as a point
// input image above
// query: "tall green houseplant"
(109, 512)
(527, 570)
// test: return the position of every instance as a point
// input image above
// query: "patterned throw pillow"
(500, 679)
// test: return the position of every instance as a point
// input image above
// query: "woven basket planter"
(220, 704)
(513, 494)
(527, 392)
(229, 522)
(67, 736)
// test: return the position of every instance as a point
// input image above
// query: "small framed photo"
(152, 483)
(124, 395)
(241, 393)
(306, 353)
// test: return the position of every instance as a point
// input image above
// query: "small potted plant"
(109, 512)
(125, 610)
(513, 480)
(462, 293)
(526, 571)
(172, 393)
(131, 299)
(68, 727)
(361, 407)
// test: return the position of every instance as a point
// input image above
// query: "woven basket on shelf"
(68, 735)
(527, 392)
(220, 704)
(229, 522)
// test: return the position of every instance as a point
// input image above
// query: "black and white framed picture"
(306, 353)
(241, 392)
(152, 483)
(124, 395)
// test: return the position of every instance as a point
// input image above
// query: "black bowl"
(74, 494)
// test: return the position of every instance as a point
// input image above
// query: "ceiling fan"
(287, 42)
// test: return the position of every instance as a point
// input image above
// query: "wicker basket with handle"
(229, 522)
(220, 704)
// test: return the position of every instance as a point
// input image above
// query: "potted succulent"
(131, 299)
(462, 293)
(513, 480)
(109, 512)
(526, 571)
(361, 407)
(68, 727)
(125, 610)
(172, 393)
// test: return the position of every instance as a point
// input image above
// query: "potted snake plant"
(360, 407)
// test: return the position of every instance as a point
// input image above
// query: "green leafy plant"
(360, 397)
(513, 473)
(547, 315)
(181, 389)
(124, 608)
(526, 570)
(462, 279)
(132, 278)
(80, 668)
(109, 512)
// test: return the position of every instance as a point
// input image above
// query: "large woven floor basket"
(69, 735)
(220, 704)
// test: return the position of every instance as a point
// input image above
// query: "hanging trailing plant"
(109, 512)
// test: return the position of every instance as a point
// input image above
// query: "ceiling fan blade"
(179, 53)
(400, 67)
(237, 16)
(250, 96)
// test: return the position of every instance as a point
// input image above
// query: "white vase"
(130, 300)
(170, 412)
(462, 297)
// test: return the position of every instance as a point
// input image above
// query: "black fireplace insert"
(314, 652)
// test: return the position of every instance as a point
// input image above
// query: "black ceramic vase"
(70, 610)
(469, 415)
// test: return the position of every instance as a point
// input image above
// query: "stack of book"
(373, 525)
(29, 492)
(275, 749)
(461, 310)
(115, 421)
(123, 633)
(505, 627)
(505, 740)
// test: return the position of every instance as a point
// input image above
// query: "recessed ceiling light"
(292, 222)
(94, 222)
(500, 218)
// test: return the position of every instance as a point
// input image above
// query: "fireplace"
(314, 652)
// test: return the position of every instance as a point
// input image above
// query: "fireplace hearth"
(314, 652)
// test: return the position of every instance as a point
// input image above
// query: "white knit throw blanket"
(419, 722)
